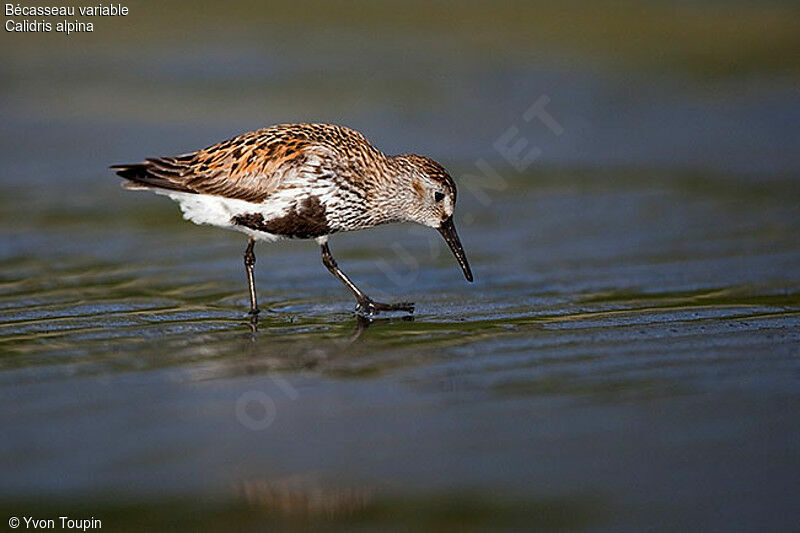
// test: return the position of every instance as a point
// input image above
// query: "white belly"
(219, 211)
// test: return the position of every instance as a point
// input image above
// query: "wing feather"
(250, 167)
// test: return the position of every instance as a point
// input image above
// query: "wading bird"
(304, 181)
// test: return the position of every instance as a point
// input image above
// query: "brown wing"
(249, 167)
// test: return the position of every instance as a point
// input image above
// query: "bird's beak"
(448, 231)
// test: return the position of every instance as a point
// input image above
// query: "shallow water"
(627, 357)
(628, 352)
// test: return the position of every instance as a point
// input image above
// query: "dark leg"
(249, 263)
(365, 305)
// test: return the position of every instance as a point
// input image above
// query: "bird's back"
(255, 165)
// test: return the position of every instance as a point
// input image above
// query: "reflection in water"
(362, 323)
(299, 495)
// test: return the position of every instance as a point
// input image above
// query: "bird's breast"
(304, 219)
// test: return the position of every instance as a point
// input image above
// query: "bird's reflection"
(361, 325)
(304, 495)
(266, 349)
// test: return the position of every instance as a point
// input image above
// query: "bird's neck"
(392, 192)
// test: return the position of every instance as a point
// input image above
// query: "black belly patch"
(304, 221)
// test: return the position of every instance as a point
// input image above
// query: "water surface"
(627, 357)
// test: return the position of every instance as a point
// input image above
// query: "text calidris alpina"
(304, 181)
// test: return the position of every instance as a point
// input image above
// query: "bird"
(304, 181)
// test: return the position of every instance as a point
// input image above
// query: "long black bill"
(448, 231)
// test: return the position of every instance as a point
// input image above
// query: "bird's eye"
(438, 196)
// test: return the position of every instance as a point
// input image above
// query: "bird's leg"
(249, 264)
(365, 305)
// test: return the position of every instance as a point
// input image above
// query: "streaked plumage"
(302, 181)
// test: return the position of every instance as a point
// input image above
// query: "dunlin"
(304, 181)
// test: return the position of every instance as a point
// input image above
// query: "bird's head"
(433, 200)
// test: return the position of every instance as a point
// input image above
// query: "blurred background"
(629, 198)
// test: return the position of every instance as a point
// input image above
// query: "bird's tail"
(163, 173)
